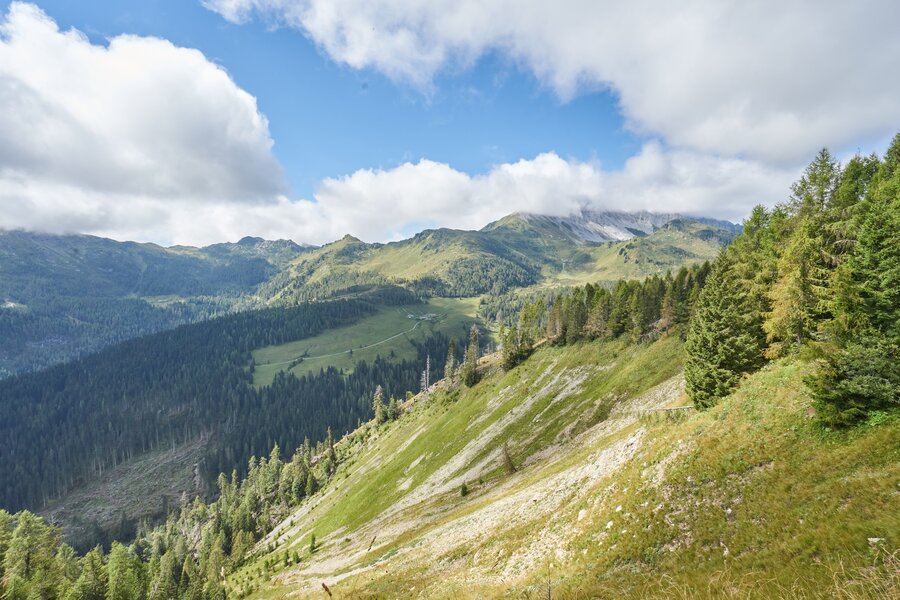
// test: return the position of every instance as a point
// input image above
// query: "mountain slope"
(611, 497)
(519, 250)
(64, 296)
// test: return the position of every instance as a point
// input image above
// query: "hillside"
(517, 251)
(64, 296)
(183, 404)
(612, 497)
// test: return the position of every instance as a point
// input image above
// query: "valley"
(490, 300)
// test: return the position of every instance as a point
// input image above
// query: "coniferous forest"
(71, 422)
(818, 275)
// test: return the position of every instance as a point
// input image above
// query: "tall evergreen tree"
(378, 405)
(92, 583)
(451, 364)
(469, 369)
(861, 371)
(721, 344)
(124, 582)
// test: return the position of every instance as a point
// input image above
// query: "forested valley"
(71, 422)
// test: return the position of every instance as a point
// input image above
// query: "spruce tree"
(393, 410)
(721, 344)
(124, 583)
(469, 369)
(378, 406)
(311, 484)
(450, 366)
(92, 583)
(860, 372)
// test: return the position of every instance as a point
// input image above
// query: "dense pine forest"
(189, 555)
(71, 422)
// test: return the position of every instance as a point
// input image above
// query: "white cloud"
(94, 137)
(770, 79)
(142, 140)
(380, 204)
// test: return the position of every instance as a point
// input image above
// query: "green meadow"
(388, 333)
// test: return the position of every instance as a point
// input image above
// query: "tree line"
(818, 274)
(198, 545)
(69, 423)
(638, 310)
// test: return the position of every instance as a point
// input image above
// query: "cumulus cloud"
(112, 136)
(770, 80)
(140, 139)
(380, 204)
(384, 204)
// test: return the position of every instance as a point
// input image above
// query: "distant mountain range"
(62, 296)
(613, 226)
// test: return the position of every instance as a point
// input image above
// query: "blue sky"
(198, 121)
(328, 120)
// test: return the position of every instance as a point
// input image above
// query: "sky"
(200, 121)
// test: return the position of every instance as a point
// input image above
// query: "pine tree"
(124, 583)
(799, 296)
(378, 406)
(451, 365)
(393, 410)
(311, 484)
(721, 344)
(469, 369)
(163, 586)
(860, 373)
(92, 583)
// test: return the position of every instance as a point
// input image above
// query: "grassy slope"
(664, 250)
(555, 257)
(386, 333)
(750, 499)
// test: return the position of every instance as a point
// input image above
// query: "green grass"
(387, 333)
(751, 499)
(763, 503)
(665, 250)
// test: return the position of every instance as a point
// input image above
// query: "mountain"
(603, 226)
(64, 296)
(182, 404)
(583, 472)
(517, 251)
